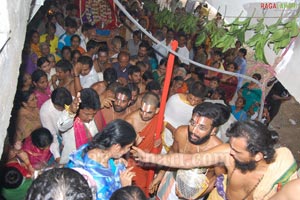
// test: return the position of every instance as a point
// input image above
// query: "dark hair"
(244, 100)
(137, 33)
(259, 137)
(74, 52)
(218, 113)
(37, 75)
(257, 76)
(199, 72)
(69, 22)
(64, 65)
(61, 97)
(91, 44)
(198, 89)
(163, 61)
(147, 75)
(86, 60)
(41, 137)
(153, 85)
(125, 91)
(133, 69)
(103, 49)
(243, 51)
(133, 87)
(89, 99)
(140, 64)
(144, 44)
(221, 92)
(128, 193)
(215, 78)
(75, 36)
(235, 65)
(110, 75)
(86, 27)
(50, 24)
(66, 48)
(116, 132)
(41, 61)
(60, 183)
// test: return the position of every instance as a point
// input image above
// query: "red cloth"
(82, 134)
(141, 172)
(37, 157)
(229, 86)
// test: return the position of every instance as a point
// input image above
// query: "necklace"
(249, 192)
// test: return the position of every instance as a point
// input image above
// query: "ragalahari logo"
(278, 5)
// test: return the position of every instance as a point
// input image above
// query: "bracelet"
(67, 108)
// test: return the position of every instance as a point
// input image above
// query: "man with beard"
(119, 106)
(134, 76)
(198, 136)
(144, 121)
(255, 168)
(102, 62)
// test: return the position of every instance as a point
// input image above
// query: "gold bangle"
(67, 108)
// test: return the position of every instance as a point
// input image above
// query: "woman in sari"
(228, 82)
(98, 160)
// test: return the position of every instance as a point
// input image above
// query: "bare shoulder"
(131, 117)
(291, 191)
(180, 133)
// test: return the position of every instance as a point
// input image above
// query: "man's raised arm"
(217, 155)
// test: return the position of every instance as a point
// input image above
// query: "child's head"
(41, 138)
(44, 64)
(218, 94)
(70, 26)
(51, 59)
(214, 83)
(177, 82)
(27, 81)
(39, 79)
(66, 53)
(75, 41)
(232, 67)
(240, 102)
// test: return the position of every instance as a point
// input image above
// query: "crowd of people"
(90, 103)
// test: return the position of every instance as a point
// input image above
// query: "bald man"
(144, 120)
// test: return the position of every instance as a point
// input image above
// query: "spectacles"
(200, 127)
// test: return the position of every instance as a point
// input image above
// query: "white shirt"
(49, 116)
(160, 51)
(184, 52)
(59, 30)
(65, 125)
(90, 79)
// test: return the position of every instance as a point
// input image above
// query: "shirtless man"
(119, 106)
(63, 75)
(198, 136)
(144, 121)
(178, 111)
(256, 169)
(102, 62)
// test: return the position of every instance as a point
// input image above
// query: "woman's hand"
(126, 177)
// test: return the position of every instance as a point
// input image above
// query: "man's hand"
(140, 155)
(77, 69)
(75, 104)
